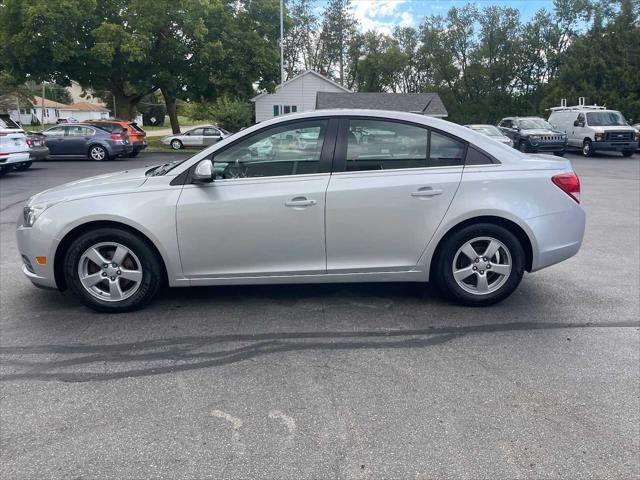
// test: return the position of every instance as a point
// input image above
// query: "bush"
(228, 113)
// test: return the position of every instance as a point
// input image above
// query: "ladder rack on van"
(581, 106)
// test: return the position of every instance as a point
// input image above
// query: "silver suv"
(593, 128)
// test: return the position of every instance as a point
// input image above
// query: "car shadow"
(274, 319)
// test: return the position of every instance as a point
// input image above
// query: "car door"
(194, 138)
(395, 185)
(211, 136)
(77, 140)
(264, 212)
(55, 138)
(578, 130)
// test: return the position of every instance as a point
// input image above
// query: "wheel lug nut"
(485, 259)
(477, 260)
(104, 274)
(488, 267)
(113, 278)
(114, 265)
(119, 272)
(105, 266)
(475, 268)
(481, 272)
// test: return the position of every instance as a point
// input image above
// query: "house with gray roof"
(428, 104)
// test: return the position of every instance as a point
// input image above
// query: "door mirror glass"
(203, 172)
(576, 123)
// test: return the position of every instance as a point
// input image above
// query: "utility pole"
(42, 113)
(281, 41)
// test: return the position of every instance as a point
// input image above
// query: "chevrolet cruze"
(339, 196)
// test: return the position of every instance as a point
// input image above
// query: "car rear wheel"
(134, 153)
(112, 270)
(22, 166)
(587, 148)
(176, 144)
(480, 265)
(98, 153)
(3, 171)
(627, 153)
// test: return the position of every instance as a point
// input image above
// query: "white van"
(593, 128)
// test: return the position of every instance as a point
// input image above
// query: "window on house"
(276, 110)
(294, 108)
(287, 109)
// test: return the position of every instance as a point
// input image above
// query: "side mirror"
(203, 172)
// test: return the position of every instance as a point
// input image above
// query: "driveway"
(331, 381)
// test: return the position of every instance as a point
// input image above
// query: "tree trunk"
(170, 103)
(123, 106)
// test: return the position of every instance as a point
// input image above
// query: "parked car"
(534, 134)
(35, 142)
(137, 136)
(196, 137)
(493, 132)
(66, 120)
(14, 150)
(87, 141)
(440, 202)
(593, 128)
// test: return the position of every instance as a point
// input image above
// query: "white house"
(295, 95)
(32, 114)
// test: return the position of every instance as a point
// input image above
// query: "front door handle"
(426, 192)
(300, 202)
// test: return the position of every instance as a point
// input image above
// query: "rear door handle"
(300, 202)
(426, 192)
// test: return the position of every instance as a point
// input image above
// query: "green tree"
(338, 27)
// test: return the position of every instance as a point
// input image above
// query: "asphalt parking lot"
(333, 381)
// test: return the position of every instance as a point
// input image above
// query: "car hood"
(542, 131)
(107, 184)
(613, 128)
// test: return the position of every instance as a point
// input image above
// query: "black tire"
(587, 148)
(627, 153)
(446, 254)
(134, 153)
(560, 154)
(522, 146)
(20, 167)
(152, 277)
(4, 171)
(98, 153)
(176, 144)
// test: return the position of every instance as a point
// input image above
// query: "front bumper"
(616, 146)
(536, 146)
(32, 243)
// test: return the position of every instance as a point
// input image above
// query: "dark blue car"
(87, 141)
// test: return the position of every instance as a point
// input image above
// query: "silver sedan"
(196, 137)
(491, 131)
(325, 196)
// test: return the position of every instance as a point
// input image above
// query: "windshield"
(533, 123)
(489, 130)
(605, 118)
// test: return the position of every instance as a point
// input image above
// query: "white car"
(385, 196)
(13, 147)
(196, 137)
(593, 128)
(492, 132)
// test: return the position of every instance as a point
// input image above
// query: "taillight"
(116, 137)
(569, 183)
(30, 142)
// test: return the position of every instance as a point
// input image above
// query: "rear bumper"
(39, 153)
(614, 146)
(139, 146)
(558, 236)
(120, 150)
(13, 158)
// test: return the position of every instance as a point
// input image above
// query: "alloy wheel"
(110, 271)
(482, 265)
(98, 153)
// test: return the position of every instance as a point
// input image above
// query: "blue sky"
(383, 15)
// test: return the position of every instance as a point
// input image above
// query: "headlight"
(535, 137)
(30, 214)
(638, 136)
(599, 136)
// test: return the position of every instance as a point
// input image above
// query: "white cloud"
(381, 15)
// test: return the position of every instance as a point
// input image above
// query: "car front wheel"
(22, 166)
(98, 153)
(627, 153)
(522, 146)
(480, 265)
(112, 270)
(176, 144)
(587, 148)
